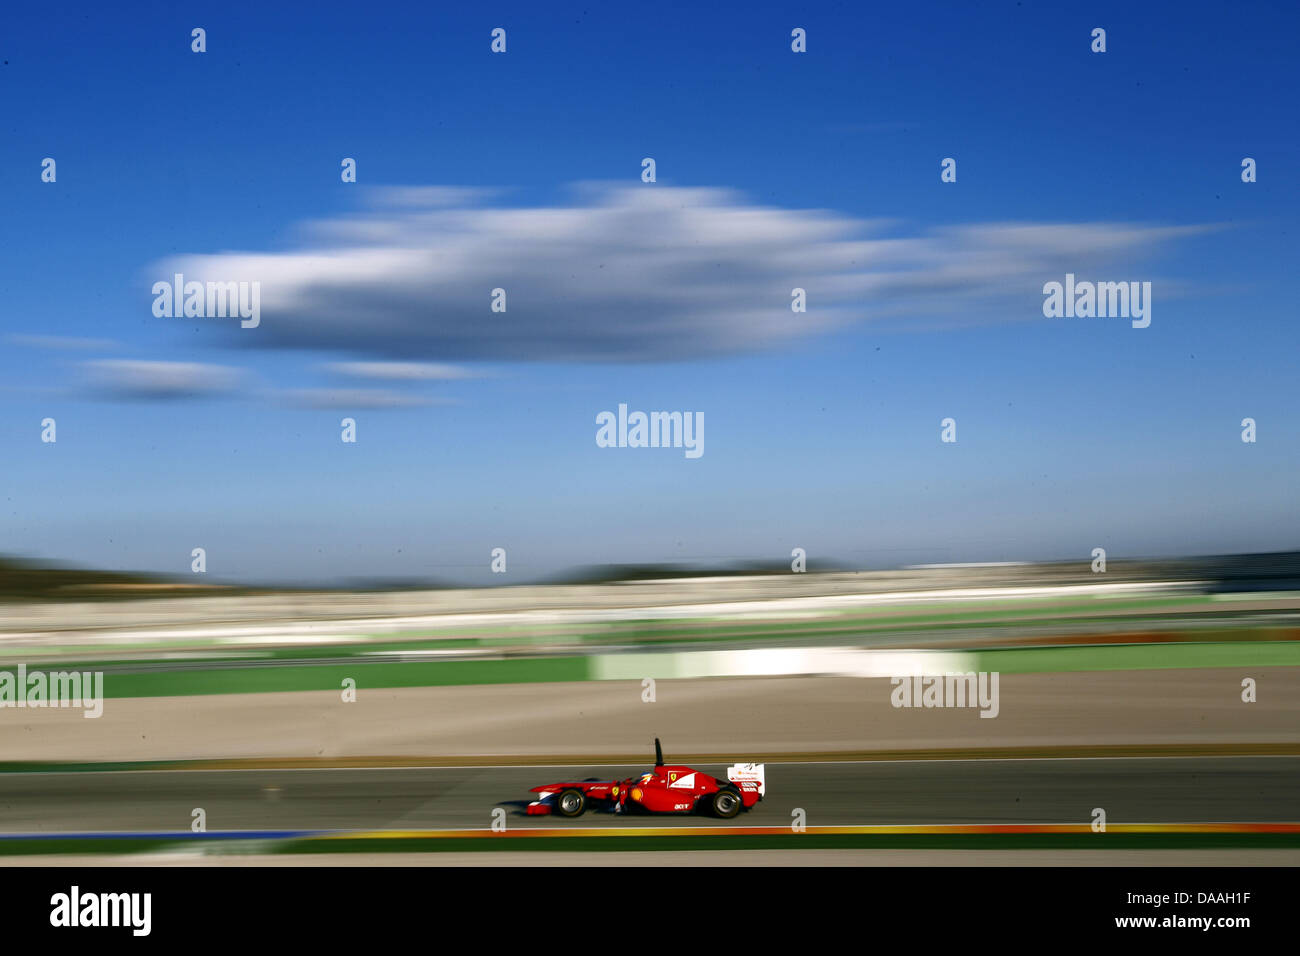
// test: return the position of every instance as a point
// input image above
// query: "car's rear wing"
(747, 773)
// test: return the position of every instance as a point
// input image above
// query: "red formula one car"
(666, 789)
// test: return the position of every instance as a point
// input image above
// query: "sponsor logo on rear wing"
(743, 774)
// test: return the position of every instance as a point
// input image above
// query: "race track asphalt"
(1131, 790)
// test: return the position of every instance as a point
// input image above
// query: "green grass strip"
(1123, 657)
(290, 677)
(256, 677)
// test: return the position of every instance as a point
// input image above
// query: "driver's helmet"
(646, 778)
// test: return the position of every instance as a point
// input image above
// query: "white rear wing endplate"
(747, 772)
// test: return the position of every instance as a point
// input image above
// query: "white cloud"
(641, 272)
(355, 398)
(65, 343)
(402, 371)
(150, 380)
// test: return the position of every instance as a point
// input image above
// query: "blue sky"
(523, 170)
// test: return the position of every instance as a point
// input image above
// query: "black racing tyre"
(571, 803)
(726, 804)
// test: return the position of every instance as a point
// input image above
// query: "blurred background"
(391, 483)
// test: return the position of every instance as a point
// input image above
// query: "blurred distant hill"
(26, 580)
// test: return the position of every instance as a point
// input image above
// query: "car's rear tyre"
(726, 804)
(571, 803)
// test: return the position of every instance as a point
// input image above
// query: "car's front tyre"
(571, 803)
